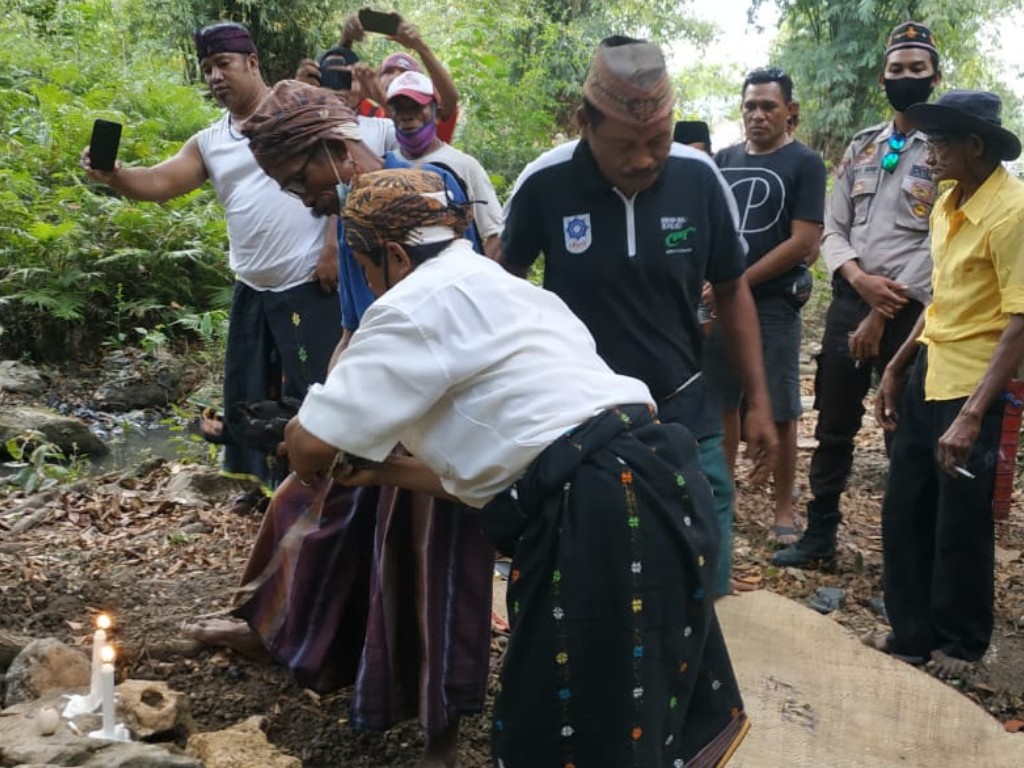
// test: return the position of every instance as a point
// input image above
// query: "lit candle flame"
(103, 621)
(107, 654)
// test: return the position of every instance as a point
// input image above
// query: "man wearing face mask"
(412, 103)
(876, 246)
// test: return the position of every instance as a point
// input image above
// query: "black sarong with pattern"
(616, 657)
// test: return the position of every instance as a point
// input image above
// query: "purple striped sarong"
(383, 589)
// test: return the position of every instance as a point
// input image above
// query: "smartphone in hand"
(106, 137)
(376, 21)
(336, 79)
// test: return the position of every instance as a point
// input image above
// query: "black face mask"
(904, 91)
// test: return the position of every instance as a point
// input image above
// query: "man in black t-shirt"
(779, 186)
(630, 225)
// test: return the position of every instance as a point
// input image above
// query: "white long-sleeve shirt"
(473, 370)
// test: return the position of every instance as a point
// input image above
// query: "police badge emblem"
(578, 232)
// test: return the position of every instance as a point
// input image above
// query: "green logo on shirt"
(675, 238)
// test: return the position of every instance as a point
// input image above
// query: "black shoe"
(810, 550)
(818, 545)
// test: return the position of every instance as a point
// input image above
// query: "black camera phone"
(376, 21)
(336, 79)
(106, 136)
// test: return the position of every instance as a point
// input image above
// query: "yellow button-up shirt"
(977, 283)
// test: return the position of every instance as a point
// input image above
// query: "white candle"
(99, 642)
(107, 690)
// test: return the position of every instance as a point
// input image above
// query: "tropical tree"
(833, 51)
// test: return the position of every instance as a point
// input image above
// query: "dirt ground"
(129, 548)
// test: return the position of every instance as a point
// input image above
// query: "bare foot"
(228, 633)
(442, 748)
(946, 667)
(736, 586)
(784, 534)
(884, 642)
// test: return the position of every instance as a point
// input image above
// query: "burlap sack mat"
(817, 698)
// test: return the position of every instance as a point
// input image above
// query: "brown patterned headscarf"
(628, 80)
(402, 205)
(293, 119)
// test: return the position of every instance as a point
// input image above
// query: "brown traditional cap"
(628, 80)
(402, 205)
(911, 34)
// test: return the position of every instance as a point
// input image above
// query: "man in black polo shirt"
(779, 185)
(630, 225)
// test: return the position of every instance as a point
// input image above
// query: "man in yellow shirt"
(943, 393)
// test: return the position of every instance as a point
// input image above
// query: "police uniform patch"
(866, 155)
(578, 232)
(923, 191)
(921, 172)
(920, 210)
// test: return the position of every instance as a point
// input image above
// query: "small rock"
(44, 666)
(69, 434)
(150, 708)
(241, 746)
(206, 484)
(152, 382)
(16, 376)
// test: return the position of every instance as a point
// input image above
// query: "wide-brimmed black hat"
(964, 112)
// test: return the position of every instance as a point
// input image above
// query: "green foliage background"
(76, 263)
(834, 49)
(79, 265)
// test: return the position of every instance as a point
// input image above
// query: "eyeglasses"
(897, 143)
(296, 183)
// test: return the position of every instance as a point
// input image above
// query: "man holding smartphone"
(375, 83)
(285, 318)
(335, 69)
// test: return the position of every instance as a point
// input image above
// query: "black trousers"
(840, 386)
(938, 537)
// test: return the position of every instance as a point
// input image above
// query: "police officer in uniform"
(876, 246)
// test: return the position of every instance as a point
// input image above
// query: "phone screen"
(106, 136)
(382, 23)
(336, 79)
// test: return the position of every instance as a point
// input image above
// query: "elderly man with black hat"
(631, 224)
(285, 320)
(943, 393)
(876, 247)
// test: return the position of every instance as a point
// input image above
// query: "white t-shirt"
(473, 370)
(487, 212)
(378, 134)
(274, 240)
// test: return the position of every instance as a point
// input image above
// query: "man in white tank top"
(285, 318)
